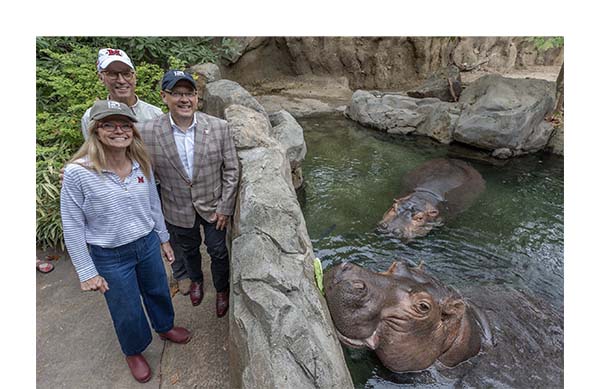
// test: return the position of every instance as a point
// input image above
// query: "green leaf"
(319, 274)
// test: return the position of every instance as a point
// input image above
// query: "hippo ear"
(398, 268)
(453, 309)
(401, 199)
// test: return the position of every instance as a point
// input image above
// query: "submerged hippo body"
(438, 190)
(413, 322)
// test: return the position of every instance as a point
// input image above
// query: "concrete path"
(77, 346)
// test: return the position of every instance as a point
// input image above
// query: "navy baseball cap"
(172, 77)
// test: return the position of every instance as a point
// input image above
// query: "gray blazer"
(216, 169)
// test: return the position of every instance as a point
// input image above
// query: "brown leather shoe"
(222, 303)
(196, 293)
(139, 367)
(177, 335)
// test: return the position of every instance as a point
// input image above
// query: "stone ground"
(76, 345)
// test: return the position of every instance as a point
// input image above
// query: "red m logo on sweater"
(140, 180)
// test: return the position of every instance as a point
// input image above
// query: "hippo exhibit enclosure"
(398, 221)
(502, 255)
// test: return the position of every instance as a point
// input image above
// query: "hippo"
(417, 325)
(439, 189)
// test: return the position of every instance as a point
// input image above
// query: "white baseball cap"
(107, 56)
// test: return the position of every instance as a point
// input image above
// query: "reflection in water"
(513, 234)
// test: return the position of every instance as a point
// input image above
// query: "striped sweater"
(104, 211)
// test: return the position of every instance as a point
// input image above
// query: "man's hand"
(95, 283)
(222, 220)
(168, 251)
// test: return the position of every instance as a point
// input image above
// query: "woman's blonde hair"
(93, 149)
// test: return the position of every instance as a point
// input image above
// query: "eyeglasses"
(113, 76)
(179, 95)
(111, 126)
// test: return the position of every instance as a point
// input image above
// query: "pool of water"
(512, 235)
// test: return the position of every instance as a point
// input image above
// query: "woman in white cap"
(114, 231)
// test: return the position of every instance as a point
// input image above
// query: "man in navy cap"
(195, 160)
(117, 73)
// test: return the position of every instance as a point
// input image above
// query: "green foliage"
(229, 49)
(49, 161)
(155, 50)
(543, 43)
(67, 84)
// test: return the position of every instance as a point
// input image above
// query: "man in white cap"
(117, 73)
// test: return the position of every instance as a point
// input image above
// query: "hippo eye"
(423, 307)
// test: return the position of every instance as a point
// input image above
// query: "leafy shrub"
(155, 50)
(67, 84)
(543, 43)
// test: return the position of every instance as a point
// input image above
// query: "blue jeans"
(132, 270)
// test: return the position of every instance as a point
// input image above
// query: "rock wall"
(379, 62)
(281, 334)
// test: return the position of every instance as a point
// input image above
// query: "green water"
(512, 235)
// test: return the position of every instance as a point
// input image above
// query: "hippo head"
(411, 216)
(406, 316)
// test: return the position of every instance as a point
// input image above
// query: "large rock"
(210, 72)
(506, 113)
(397, 114)
(221, 94)
(444, 84)
(281, 333)
(291, 136)
(389, 113)
(249, 128)
(440, 122)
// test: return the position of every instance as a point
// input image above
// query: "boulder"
(440, 122)
(249, 128)
(444, 84)
(507, 113)
(390, 113)
(281, 335)
(221, 94)
(210, 72)
(290, 134)
(397, 114)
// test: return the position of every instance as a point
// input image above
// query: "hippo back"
(453, 180)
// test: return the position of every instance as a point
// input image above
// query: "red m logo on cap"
(114, 52)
